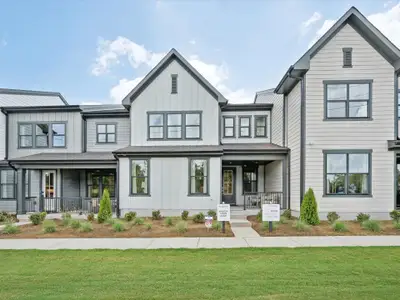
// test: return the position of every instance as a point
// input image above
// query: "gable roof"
(173, 54)
(26, 97)
(365, 28)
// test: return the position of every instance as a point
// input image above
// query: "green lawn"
(317, 273)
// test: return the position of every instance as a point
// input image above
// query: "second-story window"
(42, 135)
(348, 100)
(260, 126)
(174, 126)
(25, 136)
(229, 127)
(106, 133)
(245, 126)
(192, 125)
(156, 126)
(58, 131)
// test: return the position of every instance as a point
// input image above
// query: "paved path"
(160, 243)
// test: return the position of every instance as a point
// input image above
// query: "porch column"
(116, 188)
(21, 191)
(285, 179)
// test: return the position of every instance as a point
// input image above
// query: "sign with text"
(271, 212)
(208, 221)
(224, 212)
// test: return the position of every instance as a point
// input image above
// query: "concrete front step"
(239, 223)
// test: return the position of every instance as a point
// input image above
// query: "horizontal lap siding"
(294, 101)
(273, 177)
(325, 135)
(169, 184)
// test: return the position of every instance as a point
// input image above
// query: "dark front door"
(228, 186)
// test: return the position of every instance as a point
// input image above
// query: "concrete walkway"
(193, 243)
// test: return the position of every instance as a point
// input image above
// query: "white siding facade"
(157, 97)
(273, 177)
(321, 135)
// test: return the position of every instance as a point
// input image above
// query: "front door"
(49, 184)
(228, 186)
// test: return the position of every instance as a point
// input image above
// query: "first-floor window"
(7, 184)
(140, 177)
(250, 180)
(198, 176)
(348, 173)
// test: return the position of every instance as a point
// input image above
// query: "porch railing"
(255, 200)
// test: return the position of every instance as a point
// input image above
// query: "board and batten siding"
(169, 187)
(294, 137)
(252, 139)
(2, 136)
(73, 132)
(332, 135)
(276, 122)
(273, 176)
(122, 134)
(191, 96)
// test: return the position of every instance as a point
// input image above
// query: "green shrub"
(361, 217)
(287, 213)
(371, 225)
(212, 213)
(3, 216)
(217, 226)
(75, 224)
(35, 218)
(138, 221)
(66, 216)
(86, 227)
(6, 217)
(148, 226)
(168, 221)
(185, 215)
(395, 215)
(396, 226)
(66, 222)
(265, 226)
(105, 211)
(332, 217)
(259, 216)
(49, 226)
(118, 227)
(90, 217)
(156, 215)
(43, 215)
(181, 227)
(339, 226)
(130, 216)
(283, 220)
(10, 228)
(309, 209)
(301, 225)
(110, 221)
(198, 218)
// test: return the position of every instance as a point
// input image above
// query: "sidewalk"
(194, 243)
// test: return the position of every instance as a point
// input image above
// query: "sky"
(96, 51)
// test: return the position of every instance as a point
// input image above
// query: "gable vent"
(347, 57)
(174, 84)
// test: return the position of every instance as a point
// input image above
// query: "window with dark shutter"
(174, 84)
(347, 57)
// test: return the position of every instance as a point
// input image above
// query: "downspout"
(117, 187)
(302, 133)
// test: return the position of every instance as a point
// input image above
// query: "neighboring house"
(175, 143)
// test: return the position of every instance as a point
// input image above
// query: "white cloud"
(387, 22)
(111, 53)
(305, 26)
(192, 42)
(387, 4)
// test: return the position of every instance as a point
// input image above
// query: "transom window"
(250, 180)
(260, 126)
(39, 135)
(348, 173)
(7, 184)
(198, 181)
(140, 177)
(245, 126)
(106, 133)
(229, 126)
(346, 100)
(174, 125)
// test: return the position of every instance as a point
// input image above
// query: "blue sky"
(96, 50)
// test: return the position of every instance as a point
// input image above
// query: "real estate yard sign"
(224, 212)
(271, 212)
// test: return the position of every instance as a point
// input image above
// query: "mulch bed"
(159, 229)
(323, 229)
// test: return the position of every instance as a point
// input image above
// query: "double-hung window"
(198, 176)
(260, 126)
(348, 99)
(250, 180)
(106, 133)
(347, 172)
(229, 127)
(25, 133)
(244, 126)
(174, 126)
(140, 184)
(156, 126)
(42, 135)
(58, 132)
(192, 125)
(7, 184)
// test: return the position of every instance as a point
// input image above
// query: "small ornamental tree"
(105, 207)
(309, 209)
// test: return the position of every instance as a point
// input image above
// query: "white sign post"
(223, 214)
(271, 213)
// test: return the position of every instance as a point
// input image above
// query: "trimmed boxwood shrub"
(309, 209)
(339, 227)
(199, 218)
(185, 215)
(156, 215)
(361, 217)
(332, 217)
(212, 213)
(130, 216)
(35, 218)
(395, 216)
